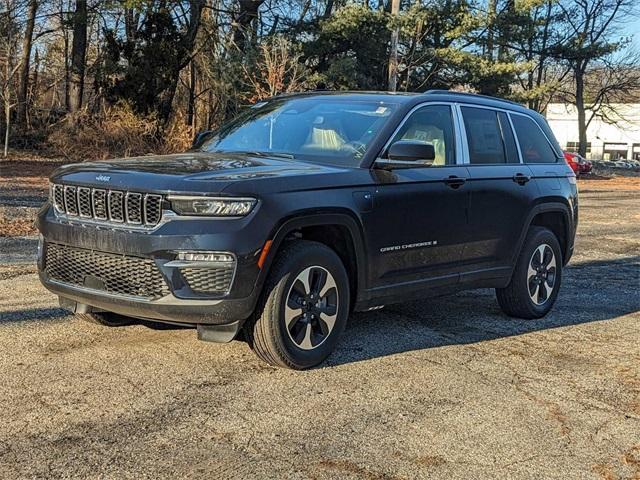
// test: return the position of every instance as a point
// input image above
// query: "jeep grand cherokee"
(310, 206)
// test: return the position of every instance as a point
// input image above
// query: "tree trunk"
(491, 14)
(23, 75)
(191, 100)
(393, 55)
(582, 119)
(166, 99)
(243, 20)
(7, 126)
(328, 9)
(65, 37)
(78, 55)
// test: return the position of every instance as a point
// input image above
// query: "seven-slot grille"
(112, 273)
(115, 206)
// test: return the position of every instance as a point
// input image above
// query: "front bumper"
(178, 304)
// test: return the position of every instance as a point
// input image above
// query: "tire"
(527, 294)
(106, 319)
(283, 336)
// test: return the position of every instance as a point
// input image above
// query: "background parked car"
(578, 164)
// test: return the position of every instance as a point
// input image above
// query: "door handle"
(454, 182)
(521, 179)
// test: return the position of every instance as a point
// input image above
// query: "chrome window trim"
(466, 157)
(457, 140)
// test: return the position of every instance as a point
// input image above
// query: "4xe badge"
(103, 178)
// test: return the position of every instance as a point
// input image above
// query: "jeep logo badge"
(103, 178)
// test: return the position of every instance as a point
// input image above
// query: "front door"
(419, 215)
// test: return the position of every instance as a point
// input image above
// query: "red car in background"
(578, 164)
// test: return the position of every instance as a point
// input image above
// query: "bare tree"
(78, 55)
(592, 36)
(23, 74)
(8, 47)
(393, 56)
(278, 70)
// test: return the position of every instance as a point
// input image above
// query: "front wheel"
(536, 279)
(303, 309)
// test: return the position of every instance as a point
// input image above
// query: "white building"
(605, 140)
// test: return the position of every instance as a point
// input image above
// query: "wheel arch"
(556, 217)
(338, 229)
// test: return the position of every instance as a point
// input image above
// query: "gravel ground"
(444, 388)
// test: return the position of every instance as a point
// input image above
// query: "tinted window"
(489, 136)
(533, 144)
(431, 124)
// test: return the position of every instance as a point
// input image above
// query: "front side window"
(431, 124)
(533, 144)
(489, 136)
(321, 128)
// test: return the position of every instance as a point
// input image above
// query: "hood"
(187, 172)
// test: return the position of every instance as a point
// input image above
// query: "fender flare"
(546, 208)
(314, 219)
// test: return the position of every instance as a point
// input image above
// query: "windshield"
(323, 129)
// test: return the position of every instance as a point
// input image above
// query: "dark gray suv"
(308, 207)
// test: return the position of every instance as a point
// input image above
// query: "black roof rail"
(467, 94)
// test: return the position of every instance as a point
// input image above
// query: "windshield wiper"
(256, 153)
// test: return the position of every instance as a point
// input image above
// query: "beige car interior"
(325, 135)
(424, 132)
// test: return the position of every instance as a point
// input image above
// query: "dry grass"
(117, 132)
(16, 227)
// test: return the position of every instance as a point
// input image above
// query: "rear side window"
(533, 144)
(489, 136)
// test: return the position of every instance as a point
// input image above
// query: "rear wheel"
(536, 279)
(107, 319)
(303, 308)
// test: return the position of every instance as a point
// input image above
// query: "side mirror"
(412, 151)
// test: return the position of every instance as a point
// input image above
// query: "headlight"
(213, 206)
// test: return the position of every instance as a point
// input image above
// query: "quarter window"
(534, 145)
(431, 124)
(489, 136)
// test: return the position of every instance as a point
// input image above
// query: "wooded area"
(90, 78)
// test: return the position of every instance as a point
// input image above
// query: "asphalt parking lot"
(443, 388)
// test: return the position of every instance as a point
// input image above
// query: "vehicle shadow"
(32, 314)
(591, 291)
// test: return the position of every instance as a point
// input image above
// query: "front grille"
(208, 280)
(112, 273)
(114, 206)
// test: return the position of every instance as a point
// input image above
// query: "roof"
(414, 97)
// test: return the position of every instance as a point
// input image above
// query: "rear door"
(502, 193)
(548, 166)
